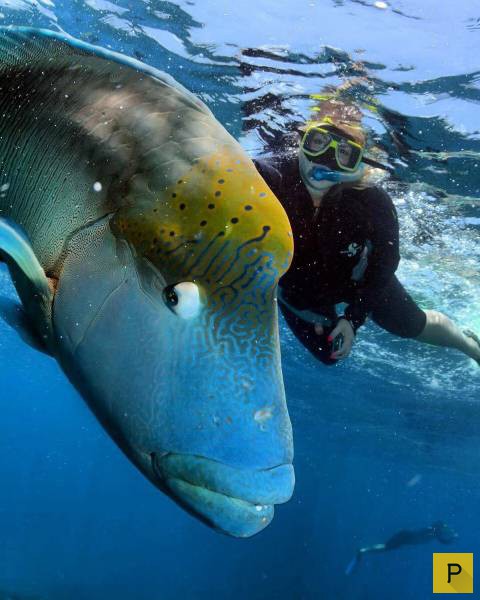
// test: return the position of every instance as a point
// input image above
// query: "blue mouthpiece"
(322, 174)
(319, 173)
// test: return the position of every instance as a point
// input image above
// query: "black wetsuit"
(347, 251)
(412, 537)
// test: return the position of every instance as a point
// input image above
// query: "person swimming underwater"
(346, 238)
(406, 537)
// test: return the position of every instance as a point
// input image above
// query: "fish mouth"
(237, 502)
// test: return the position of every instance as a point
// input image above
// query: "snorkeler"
(346, 238)
(407, 537)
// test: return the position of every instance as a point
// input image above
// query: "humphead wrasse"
(146, 250)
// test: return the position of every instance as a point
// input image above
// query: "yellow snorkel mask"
(320, 137)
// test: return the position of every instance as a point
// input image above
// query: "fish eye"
(171, 298)
(183, 299)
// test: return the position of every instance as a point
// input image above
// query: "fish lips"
(237, 502)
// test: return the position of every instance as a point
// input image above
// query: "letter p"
(453, 573)
(451, 570)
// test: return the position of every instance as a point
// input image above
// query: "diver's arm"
(272, 176)
(382, 260)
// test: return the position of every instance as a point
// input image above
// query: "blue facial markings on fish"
(147, 253)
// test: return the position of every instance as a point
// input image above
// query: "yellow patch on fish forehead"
(219, 225)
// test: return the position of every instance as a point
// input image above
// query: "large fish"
(146, 250)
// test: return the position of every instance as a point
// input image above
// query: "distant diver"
(407, 537)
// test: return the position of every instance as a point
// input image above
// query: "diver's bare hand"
(343, 328)
(318, 328)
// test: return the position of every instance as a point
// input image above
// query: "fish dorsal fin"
(24, 46)
(81, 126)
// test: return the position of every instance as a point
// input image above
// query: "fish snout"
(237, 502)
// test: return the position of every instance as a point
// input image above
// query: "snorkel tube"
(319, 173)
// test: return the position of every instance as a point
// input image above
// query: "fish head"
(166, 319)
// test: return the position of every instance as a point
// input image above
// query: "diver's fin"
(30, 281)
(353, 564)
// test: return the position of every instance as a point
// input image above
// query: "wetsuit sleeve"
(383, 258)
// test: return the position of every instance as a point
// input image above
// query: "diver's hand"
(318, 328)
(343, 328)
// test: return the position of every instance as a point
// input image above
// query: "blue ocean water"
(386, 440)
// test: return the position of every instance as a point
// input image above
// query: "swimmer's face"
(319, 177)
(329, 153)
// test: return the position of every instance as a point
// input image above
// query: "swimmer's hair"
(334, 104)
(336, 101)
(341, 120)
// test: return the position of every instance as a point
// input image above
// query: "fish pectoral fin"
(34, 288)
